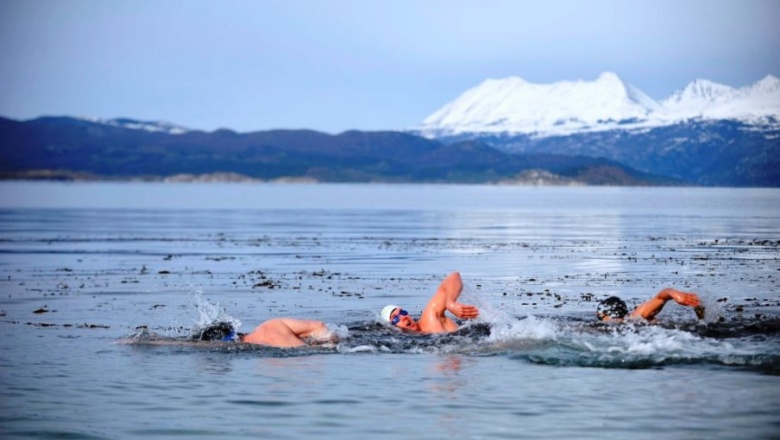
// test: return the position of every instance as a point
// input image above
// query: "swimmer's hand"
(649, 309)
(685, 298)
(463, 311)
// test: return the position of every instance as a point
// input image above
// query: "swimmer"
(433, 318)
(279, 332)
(613, 309)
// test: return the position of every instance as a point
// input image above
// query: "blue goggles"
(397, 318)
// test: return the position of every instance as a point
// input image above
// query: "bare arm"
(651, 308)
(453, 286)
(433, 319)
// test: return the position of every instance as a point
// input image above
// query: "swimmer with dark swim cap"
(611, 308)
(279, 332)
(433, 318)
(220, 331)
(615, 310)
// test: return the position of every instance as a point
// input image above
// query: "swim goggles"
(397, 318)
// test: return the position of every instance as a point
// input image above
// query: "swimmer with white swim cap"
(433, 318)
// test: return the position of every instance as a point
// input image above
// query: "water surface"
(98, 261)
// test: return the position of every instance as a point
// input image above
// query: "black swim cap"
(613, 307)
(216, 332)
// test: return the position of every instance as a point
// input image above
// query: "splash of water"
(336, 332)
(505, 327)
(713, 309)
(209, 313)
(530, 328)
(563, 341)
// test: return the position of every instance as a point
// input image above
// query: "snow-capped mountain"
(513, 106)
(134, 124)
(708, 100)
(696, 97)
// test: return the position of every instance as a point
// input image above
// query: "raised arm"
(452, 287)
(433, 319)
(649, 309)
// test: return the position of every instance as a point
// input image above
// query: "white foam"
(336, 332)
(627, 342)
(528, 328)
(358, 349)
(656, 340)
(505, 327)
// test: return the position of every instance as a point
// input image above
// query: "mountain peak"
(609, 77)
(708, 100)
(695, 97)
(768, 83)
(513, 105)
(704, 87)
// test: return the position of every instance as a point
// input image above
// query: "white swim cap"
(387, 311)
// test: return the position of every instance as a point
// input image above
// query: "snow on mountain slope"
(753, 103)
(696, 97)
(708, 100)
(133, 124)
(515, 106)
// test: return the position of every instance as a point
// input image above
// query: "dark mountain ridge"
(701, 152)
(65, 147)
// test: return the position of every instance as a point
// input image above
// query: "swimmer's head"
(611, 308)
(398, 317)
(219, 331)
(387, 311)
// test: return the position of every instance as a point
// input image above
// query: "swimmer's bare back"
(279, 332)
(286, 332)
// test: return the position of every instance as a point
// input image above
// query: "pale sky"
(335, 65)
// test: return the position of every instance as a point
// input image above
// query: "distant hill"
(71, 148)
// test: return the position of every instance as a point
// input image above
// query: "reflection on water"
(447, 384)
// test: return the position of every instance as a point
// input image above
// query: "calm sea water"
(86, 267)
